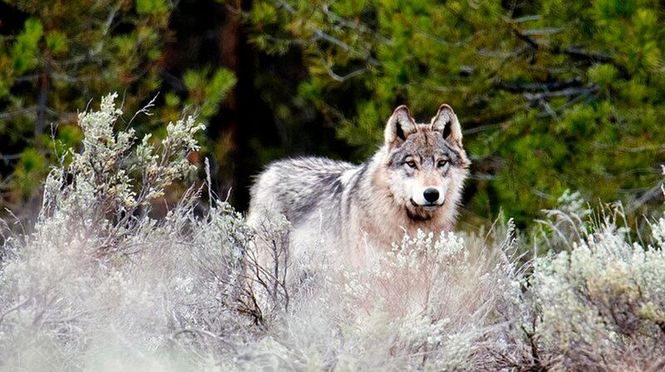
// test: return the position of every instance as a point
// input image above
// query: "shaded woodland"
(552, 96)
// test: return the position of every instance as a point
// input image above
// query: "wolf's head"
(425, 164)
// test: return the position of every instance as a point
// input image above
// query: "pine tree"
(58, 56)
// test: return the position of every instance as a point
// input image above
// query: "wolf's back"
(296, 188)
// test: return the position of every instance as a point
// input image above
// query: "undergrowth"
(99, 284)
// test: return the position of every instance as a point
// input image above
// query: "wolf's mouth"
(429, 206)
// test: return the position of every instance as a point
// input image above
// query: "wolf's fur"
(368, 206)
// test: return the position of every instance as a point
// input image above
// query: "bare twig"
(651, 194)
(42, 99)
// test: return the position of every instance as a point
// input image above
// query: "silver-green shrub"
(99, 284)
(601, 304)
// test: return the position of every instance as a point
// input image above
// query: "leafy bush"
(99, 284)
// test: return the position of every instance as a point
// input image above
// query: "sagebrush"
(98, 283)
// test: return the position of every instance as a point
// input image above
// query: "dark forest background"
(552, 95)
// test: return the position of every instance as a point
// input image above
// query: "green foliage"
(208, 88)
(31, 165)
(603, 74)
(67, 53)
(25, 50)
(151, 6)
(551, 95)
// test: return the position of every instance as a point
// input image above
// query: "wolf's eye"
(411, 163)
(441, 163)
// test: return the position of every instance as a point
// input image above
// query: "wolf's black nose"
(431, 194)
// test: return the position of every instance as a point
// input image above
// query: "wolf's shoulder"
(302, 175)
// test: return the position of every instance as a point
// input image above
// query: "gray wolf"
(414, 181)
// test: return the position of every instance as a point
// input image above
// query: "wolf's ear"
(445, 121)
(399, 126)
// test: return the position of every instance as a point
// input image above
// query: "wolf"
(414, 181)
